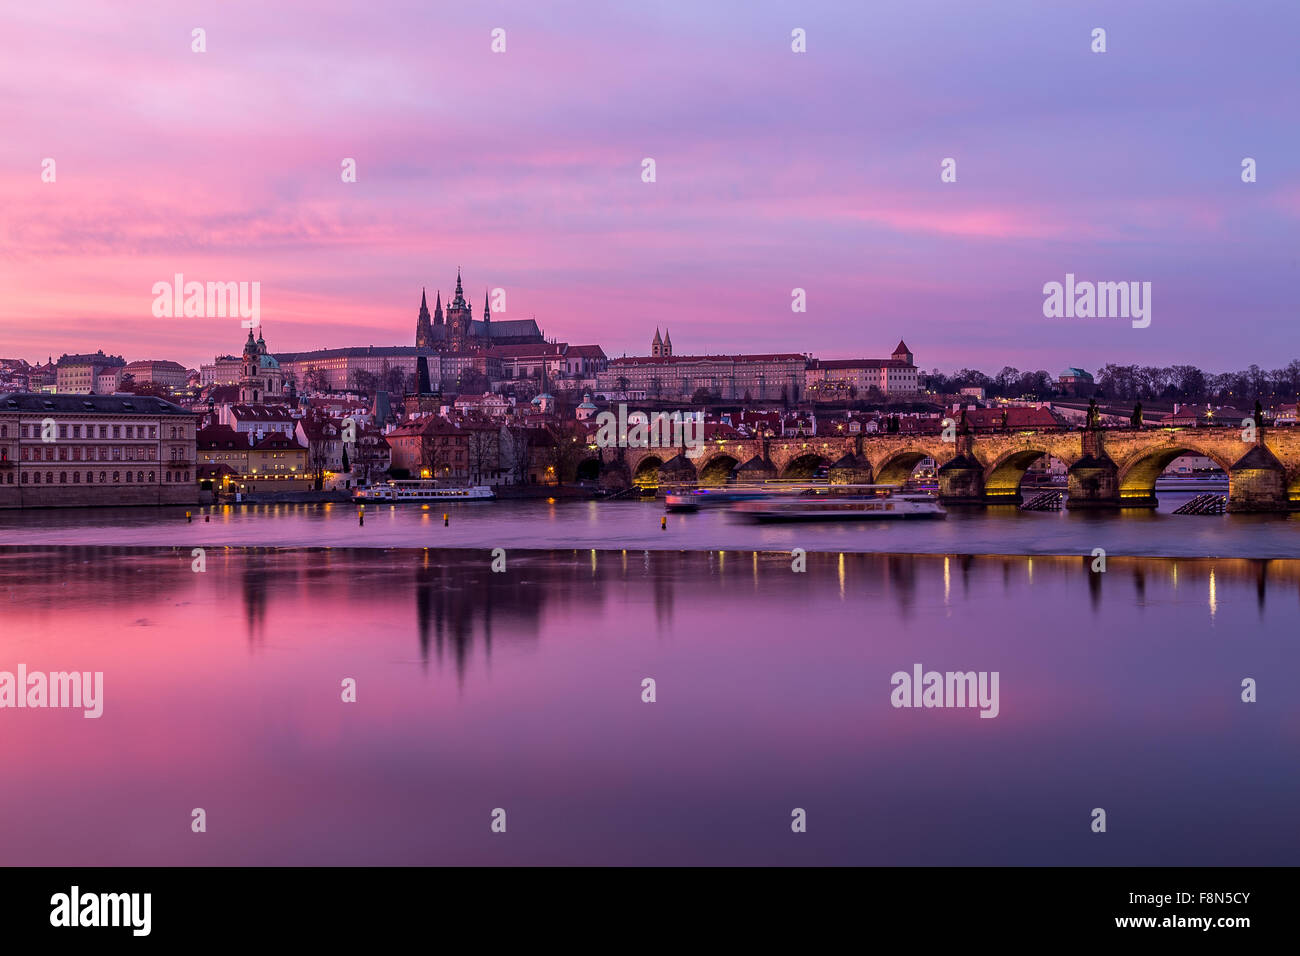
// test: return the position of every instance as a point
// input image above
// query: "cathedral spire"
(437, 311)
(423, 330)
(487, 313)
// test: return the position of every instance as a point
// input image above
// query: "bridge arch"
(646, 474)
(804, 466)
(1002, 478)
(898, 468)
(1137, 475)
(717, 469)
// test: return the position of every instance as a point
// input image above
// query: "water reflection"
(460, 603)
(478, 688)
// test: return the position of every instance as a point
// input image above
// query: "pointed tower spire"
(657, 346)
(668, 342)
(437, 311)
(487, 313)
(423, 330)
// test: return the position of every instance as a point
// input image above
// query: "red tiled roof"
(276, 440)
(261, 413)
(220, 436)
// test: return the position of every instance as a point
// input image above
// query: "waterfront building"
(257, 420)
(430, 447)
(323, 439)
(245, 461)
(91, 450)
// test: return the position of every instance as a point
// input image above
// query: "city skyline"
(524, 168)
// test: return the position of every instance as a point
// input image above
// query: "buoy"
(361, 518)
(663, 523)
(445, 522)
(207, 517)
(188, 518)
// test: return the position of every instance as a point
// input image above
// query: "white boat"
(398, 491)
(892, 504)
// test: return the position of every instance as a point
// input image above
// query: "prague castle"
(457, 331)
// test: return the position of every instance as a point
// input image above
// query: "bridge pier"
(1093, 482)
(850, 470)
(756, 469)
(961, 482)
(614, 476)
(1257, 483)
(677, 470)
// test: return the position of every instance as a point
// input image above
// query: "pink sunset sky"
(775, 170)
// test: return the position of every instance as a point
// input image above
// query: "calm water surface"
(522, 691)
(635, 525)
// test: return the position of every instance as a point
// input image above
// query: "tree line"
(1173, 383)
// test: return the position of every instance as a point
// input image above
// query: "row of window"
(77, 453)
(170, 477)
(117, 431)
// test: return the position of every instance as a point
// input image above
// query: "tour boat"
(828, 507)
(398, 491)
(697, 498)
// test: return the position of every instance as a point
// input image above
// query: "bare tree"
(363, 381)
(566, 451)
(315, 380)
(518, 452)
(394, 380)
(433, 451)
(484, 452)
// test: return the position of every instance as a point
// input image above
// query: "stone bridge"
(1108, 468)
